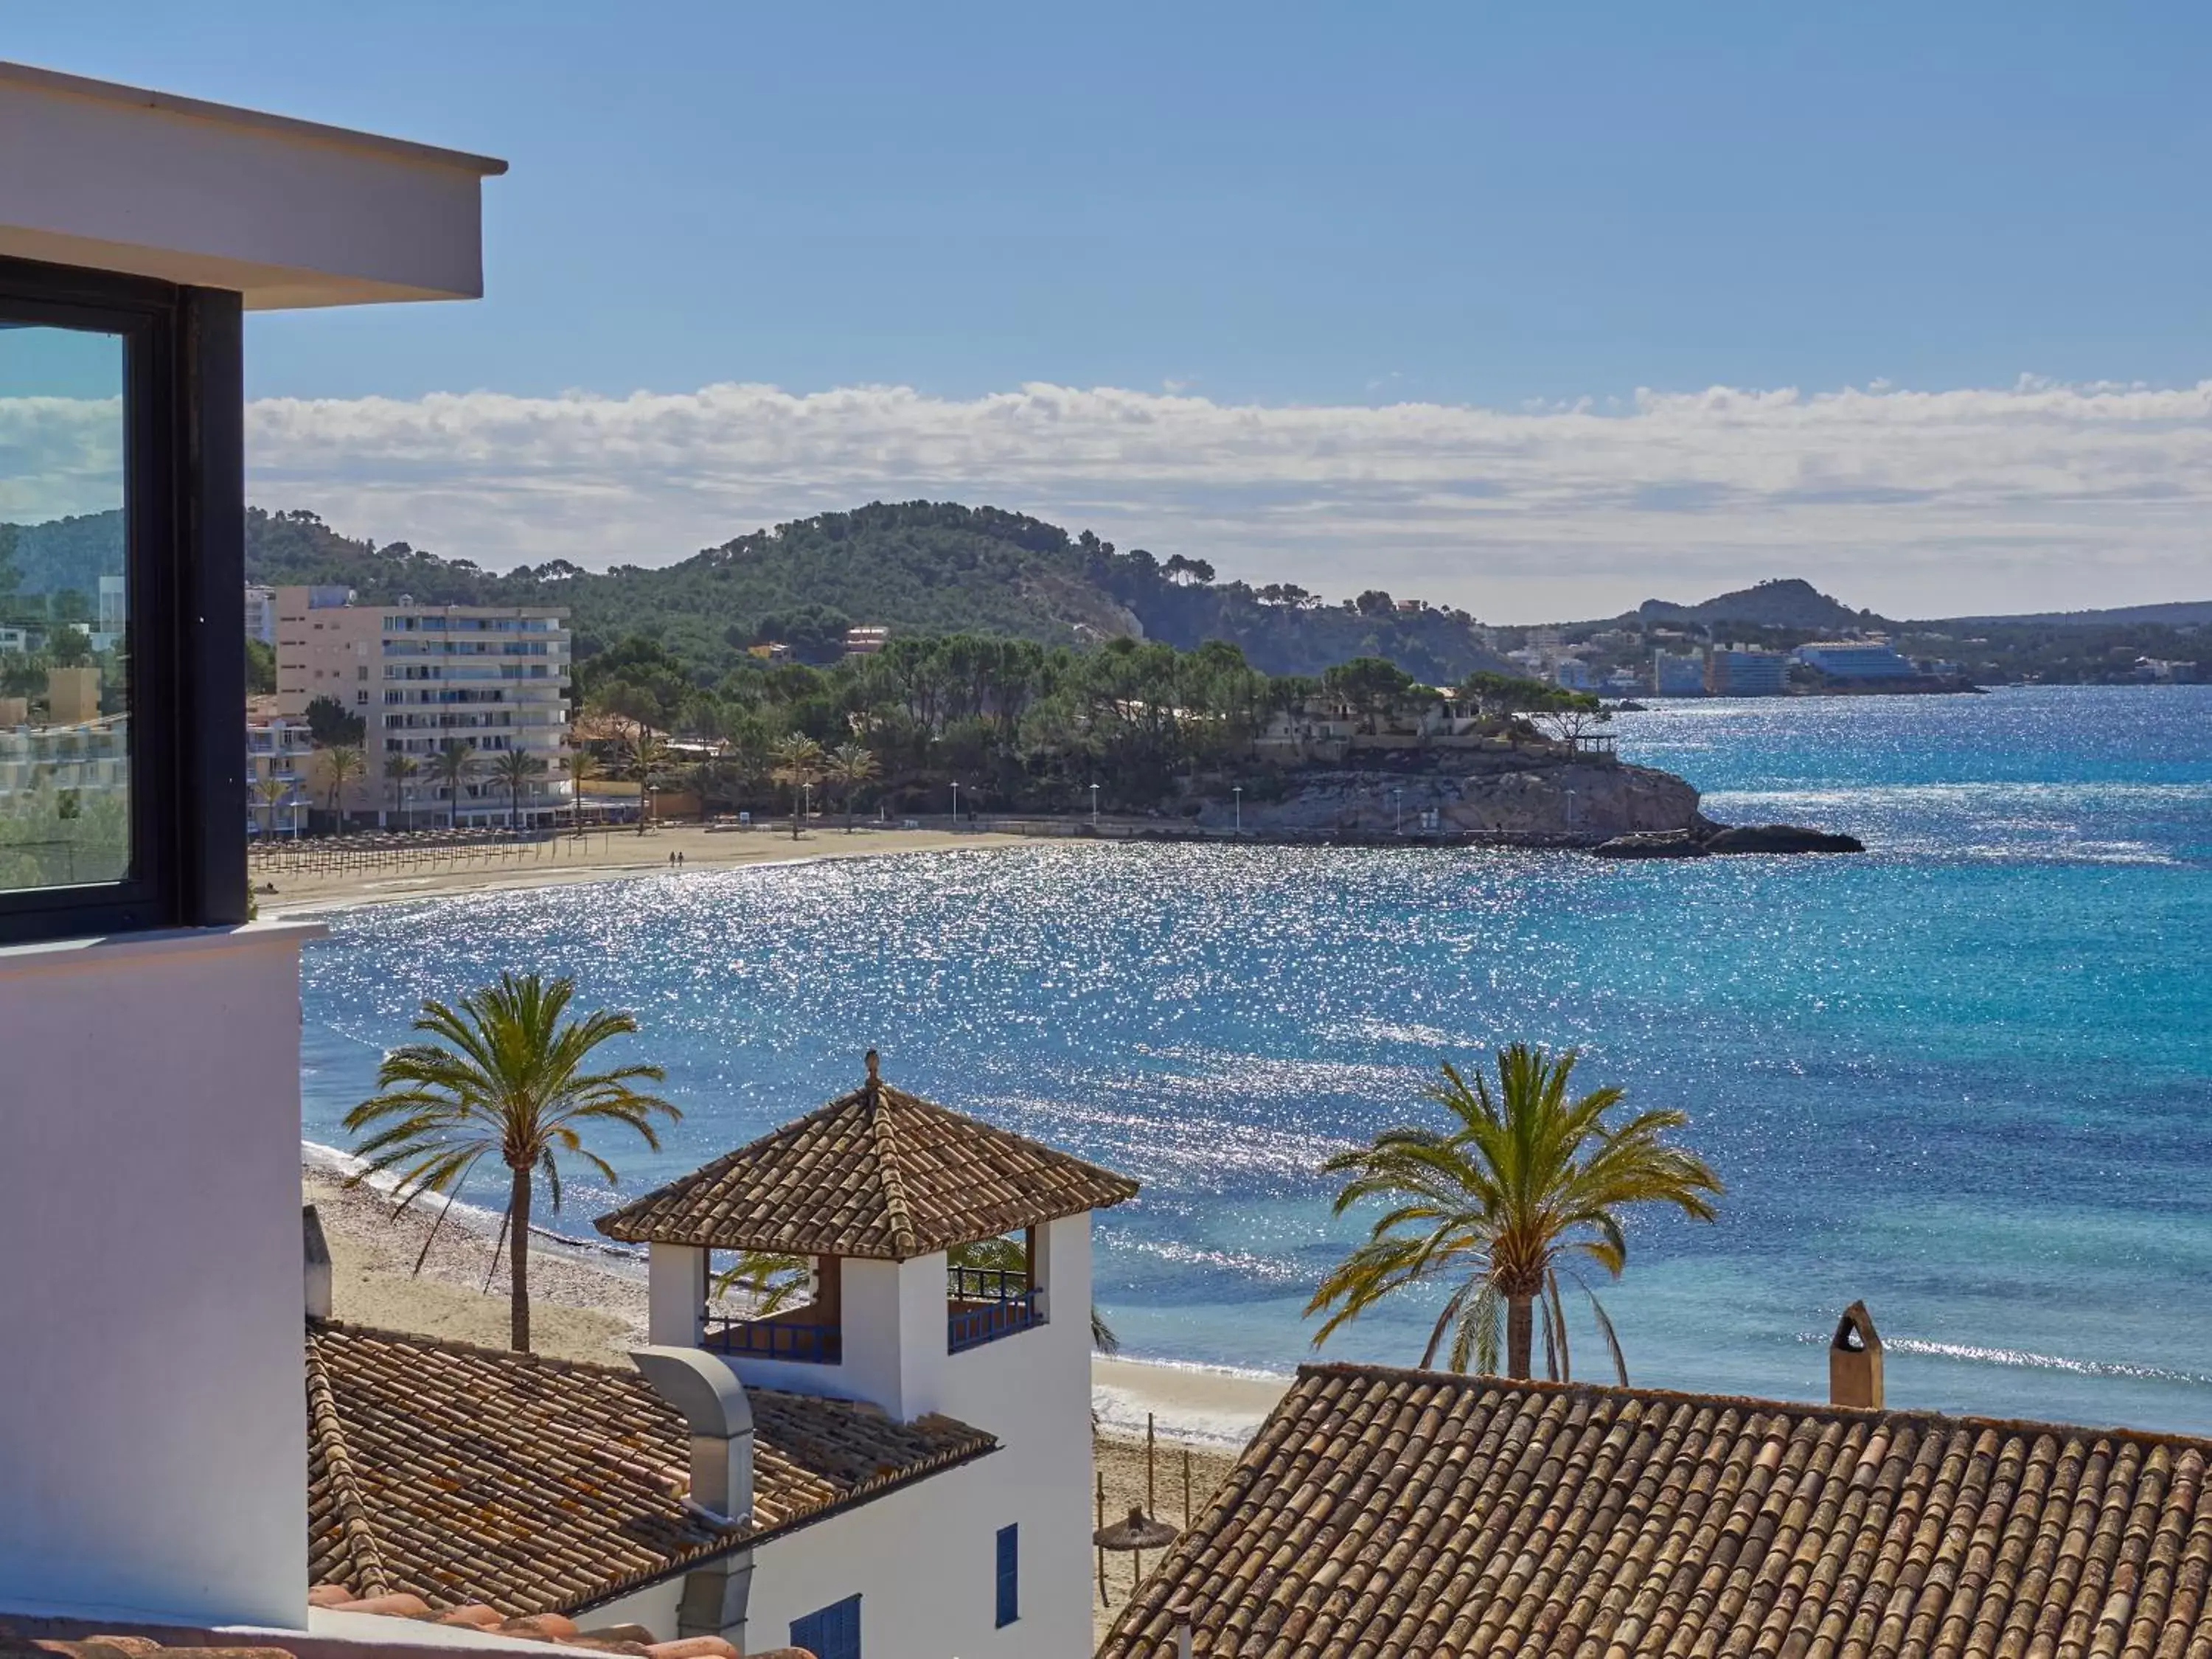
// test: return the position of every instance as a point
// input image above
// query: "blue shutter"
(1010, 1575)
(832, 1633)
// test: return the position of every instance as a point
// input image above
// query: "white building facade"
(1856, 660)
(494, 678)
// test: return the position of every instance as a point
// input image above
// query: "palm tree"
(582, 767)
(342, 763)
(798, 763)
(515, 770)
(851, 766)
(504, 1076)
(1524, 1179)
(644, 758)
(271, 792)
(705, 779)
(400, 769)
(452, 766)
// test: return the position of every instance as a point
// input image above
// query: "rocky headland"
(1538, 795)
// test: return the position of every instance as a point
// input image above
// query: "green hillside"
(917, 568)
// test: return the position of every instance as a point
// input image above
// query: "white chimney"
(317, 1263)
(706, 1394)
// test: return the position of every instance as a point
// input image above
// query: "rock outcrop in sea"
(1709, 840)
(1537, 795)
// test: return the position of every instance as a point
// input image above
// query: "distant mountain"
(916, 568)
(63, 555)
(1784, 602)
(2187, 613)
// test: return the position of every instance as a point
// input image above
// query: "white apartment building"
(494, 678)
(261, 614)
(279, 771)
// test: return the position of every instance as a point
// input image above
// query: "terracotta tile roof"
(475, 1475)
(1387, 1514)
(878, 1173)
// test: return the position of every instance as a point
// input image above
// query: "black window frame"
(184, 563)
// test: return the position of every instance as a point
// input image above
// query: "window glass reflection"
(64, 611)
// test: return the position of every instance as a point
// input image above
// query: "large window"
(122, 733)
(65, 610)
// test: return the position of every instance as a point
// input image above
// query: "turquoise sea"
(1967, 1076)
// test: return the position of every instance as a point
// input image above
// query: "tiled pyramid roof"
(476, 1475)
(878, 1173)
(1389, 1514)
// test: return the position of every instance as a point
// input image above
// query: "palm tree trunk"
(1520, 1332)
(640, 805)
(518, 1263)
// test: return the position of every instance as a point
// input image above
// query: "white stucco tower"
(948, 1269)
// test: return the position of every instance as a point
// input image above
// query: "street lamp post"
(1094, 806)
(1239, 791)
(1398, 800)
(955, 805)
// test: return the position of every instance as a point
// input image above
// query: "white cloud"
(59, 457)
(2031, 496)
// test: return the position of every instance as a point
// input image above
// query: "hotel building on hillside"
(1856, 660)
(421, 676)
(1740, 672)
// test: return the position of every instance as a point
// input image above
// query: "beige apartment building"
(494, 678)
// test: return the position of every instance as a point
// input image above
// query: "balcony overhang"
(283, 212)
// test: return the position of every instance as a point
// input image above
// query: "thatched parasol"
(1139, 1531)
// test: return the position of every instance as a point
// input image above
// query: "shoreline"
(621, 855)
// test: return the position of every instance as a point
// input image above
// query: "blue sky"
(1496, 210)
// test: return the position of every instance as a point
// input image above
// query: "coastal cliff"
(1537, 795)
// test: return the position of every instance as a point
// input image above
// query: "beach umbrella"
(1139, 1531)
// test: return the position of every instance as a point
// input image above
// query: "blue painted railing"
(987, 1304)
(776, 1339)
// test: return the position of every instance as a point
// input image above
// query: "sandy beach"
(587, 1304)
(596, 855)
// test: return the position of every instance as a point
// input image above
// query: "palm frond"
(1523, 1173)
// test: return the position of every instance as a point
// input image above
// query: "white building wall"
(924, 1562)
(923, 1592)
(1033, 1391)
(153, 1428)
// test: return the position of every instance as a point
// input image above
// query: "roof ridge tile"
(888, 1176)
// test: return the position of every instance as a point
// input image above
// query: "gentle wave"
(2020, 1358)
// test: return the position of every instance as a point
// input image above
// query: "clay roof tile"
(879, 1174)
(1394, 1512)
